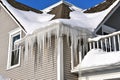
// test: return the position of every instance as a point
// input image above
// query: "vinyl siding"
(33, 69)
(67, 62)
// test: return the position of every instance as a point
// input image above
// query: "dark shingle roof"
(21, 6)
(61, 11)
(100, 7)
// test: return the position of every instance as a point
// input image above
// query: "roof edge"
(12, 16)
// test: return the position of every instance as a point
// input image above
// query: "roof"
(62, 12)
(21, 6)
(100, 7)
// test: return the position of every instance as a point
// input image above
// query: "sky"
(42, 4)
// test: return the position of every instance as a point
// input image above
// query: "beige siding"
(36, 68)
(67, 62)
(41, 66)
(6, 25)
(26, 71)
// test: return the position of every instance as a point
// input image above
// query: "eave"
(12, 16)
(107, 16)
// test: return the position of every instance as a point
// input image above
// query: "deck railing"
(108, 43)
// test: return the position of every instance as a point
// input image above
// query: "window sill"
(12, 67)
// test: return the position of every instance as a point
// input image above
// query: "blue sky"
(41, 4)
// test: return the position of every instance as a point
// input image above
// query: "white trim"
(11, 33)
(60, 63)
(12, 18)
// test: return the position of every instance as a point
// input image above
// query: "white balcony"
(108, 43)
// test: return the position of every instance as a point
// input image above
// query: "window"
(14, 51)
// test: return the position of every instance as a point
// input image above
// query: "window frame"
(12, 34)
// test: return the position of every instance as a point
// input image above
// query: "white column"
(60, 64)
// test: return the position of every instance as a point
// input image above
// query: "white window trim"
(13, 32)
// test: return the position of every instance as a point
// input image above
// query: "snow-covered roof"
(98, 57)
(32, 21)
(93, 19)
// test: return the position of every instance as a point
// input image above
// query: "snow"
(92, 19)
(3, 78)
(32, 21)
(57, 30)
(98, 57)
(103, 36)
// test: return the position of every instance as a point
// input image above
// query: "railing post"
(106, 44)
(110, 44)
(114, 41)
(118, 41)
(90, 45)
(101, 44)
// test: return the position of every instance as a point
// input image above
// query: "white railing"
(108, 43)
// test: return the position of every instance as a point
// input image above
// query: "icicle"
(26, 49)
(68, 35)
(43, 41)
(41, 37)
(49, 38)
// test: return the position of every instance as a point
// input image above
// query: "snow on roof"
(98, 57)
(92, 19)
(32, 21)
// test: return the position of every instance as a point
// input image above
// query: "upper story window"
(14, 51)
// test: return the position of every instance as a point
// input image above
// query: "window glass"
(15, 51)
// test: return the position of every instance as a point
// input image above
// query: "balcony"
(103, 51)
(108, 43)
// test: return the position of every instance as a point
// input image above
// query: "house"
(61, 42)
